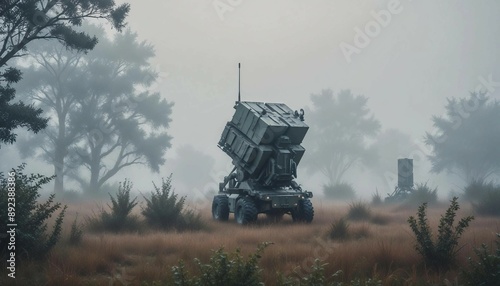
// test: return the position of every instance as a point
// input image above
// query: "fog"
(407, 66)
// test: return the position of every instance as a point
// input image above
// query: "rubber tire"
(304, 212)
(246, 212)
(220, 208)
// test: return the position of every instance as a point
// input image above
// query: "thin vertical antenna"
(239, 81)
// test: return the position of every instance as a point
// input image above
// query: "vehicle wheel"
(246, 211)
(304, 212)
(220, 208)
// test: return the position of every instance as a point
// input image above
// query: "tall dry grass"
(386, 252)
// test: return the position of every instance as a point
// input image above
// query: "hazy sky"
(425, 52)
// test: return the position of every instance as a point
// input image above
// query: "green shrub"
(359, 211)
(439, 254)
(223, 269)
(119, 218)
(339, 230)
(76, 233)
(422, 194)
(32, 238)
(316, 276)
(486, 270)
(165, 209)
(340, 191)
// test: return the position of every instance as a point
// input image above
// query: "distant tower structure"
(405, 180)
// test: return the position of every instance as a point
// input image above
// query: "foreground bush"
(440, 254)
(32, 238)
(166, 210)
(340, 191)
(486, 269)
(233, 269)
(223, 269)
(119, 218)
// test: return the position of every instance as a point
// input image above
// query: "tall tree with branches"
(467, 138)
(339, 127)
(107, 119)
(26, 21)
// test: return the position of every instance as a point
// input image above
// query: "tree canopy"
(467, 138)
(105, 118)
(339, 127)
(25, 21)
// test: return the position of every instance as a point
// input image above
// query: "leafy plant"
(223, 269)
(120, 217)
(32, 238)
(486, 270)
(165, 209)
(441, 253)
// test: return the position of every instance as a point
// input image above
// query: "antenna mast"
(239, 81)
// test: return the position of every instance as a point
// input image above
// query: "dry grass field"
(384, 249)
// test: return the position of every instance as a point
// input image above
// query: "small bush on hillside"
(359, 211)
(166, 210)
(422, 194)
(486, 269)
(441, 253)
(340, 191)
(32, 238)
(119, 218)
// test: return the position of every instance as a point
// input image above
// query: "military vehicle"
(263, 141)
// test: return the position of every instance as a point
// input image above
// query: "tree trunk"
(58, 171)
(59, 154)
